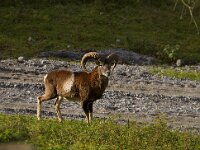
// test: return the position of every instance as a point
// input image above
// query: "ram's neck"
(98, 81)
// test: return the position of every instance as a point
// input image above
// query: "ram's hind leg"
(50, 93)
(57, 107)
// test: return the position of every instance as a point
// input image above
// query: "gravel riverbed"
(133, 93)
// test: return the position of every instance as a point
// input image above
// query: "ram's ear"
(98, 62)
(113, 59)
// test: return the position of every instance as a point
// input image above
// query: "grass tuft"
(180, 73)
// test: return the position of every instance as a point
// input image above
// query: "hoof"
(87, 121)
(38, 118)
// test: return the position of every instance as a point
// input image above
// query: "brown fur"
(87, 88)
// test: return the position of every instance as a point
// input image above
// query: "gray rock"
(126, 57)
(63, 54)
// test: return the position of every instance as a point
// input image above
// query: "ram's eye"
(101, 64)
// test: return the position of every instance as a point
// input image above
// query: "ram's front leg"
(84, 105)
(88, 110)
(90, 107)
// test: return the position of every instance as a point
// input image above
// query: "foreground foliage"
(50, 134)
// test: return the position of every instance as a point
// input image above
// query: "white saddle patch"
(67, 85)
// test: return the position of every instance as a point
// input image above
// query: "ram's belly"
(71, 95)
(72, 98)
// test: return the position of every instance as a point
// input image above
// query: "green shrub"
(13, 130)
(169, 53)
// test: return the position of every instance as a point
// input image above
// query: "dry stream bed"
(133, 93)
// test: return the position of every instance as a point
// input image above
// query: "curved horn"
(113, 57)
(86, 57)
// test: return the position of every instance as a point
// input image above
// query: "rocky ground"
(133, 93)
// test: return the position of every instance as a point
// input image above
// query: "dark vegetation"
(101, 134)
(150, 27)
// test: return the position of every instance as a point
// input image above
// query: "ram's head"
(106, 64)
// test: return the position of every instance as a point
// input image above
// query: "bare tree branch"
(190, 4)
(175, 4)
(190, 8)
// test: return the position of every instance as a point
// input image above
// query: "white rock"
(179, 62)
(44, 67)
(20, 59)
